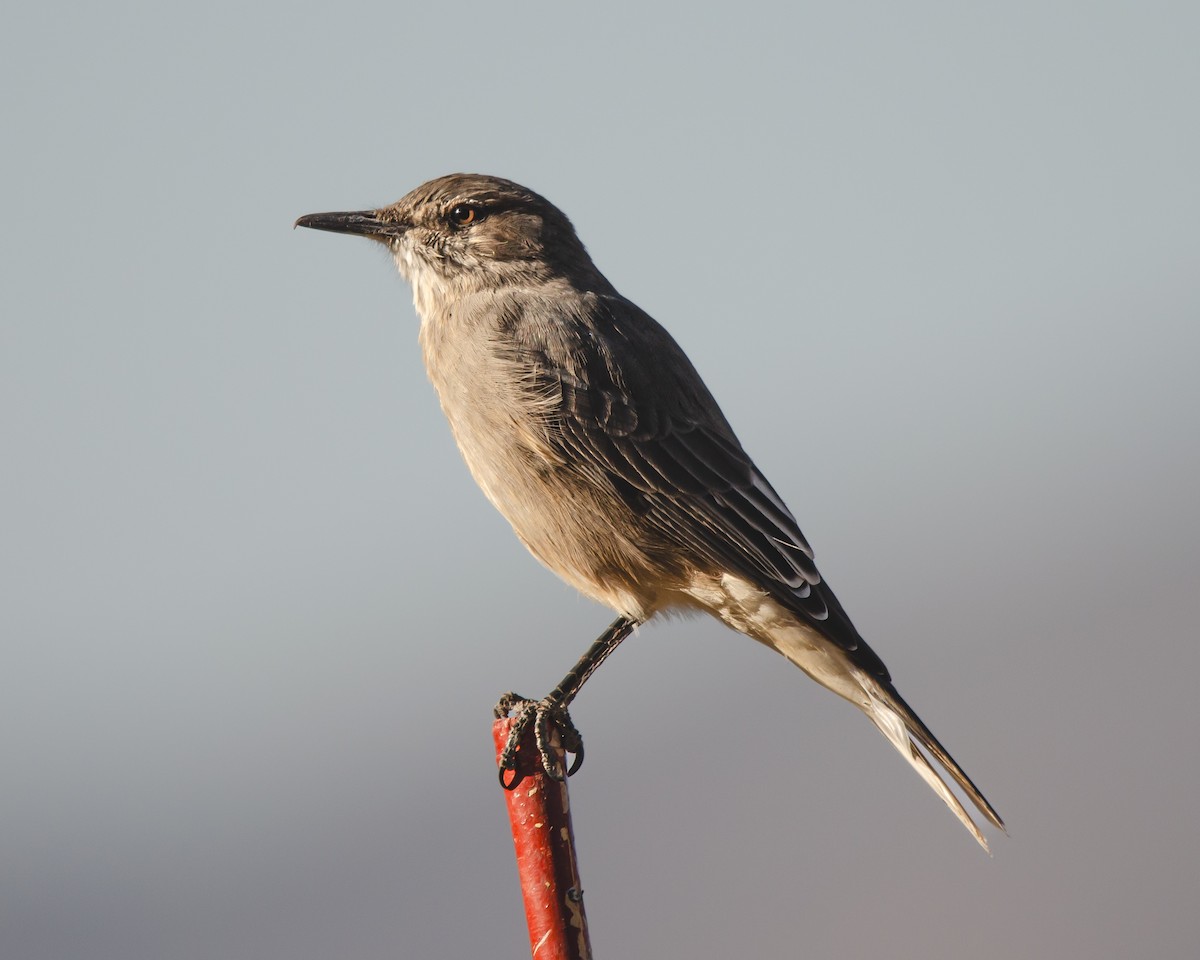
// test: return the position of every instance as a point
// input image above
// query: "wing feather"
(676, 462)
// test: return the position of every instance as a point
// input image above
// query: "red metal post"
(540, 813)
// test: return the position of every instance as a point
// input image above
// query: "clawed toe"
(549, 717)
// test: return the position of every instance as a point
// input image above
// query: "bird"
(587, 426)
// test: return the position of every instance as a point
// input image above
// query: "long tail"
(895, 719)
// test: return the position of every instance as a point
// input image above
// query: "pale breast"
(491, 412)
(579, 530)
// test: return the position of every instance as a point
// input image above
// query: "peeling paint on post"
(540, 813)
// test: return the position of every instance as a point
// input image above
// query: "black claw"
(576, 761)
(517, 778)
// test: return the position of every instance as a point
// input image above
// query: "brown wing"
(635, 414)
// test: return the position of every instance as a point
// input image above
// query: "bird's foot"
(548, 716)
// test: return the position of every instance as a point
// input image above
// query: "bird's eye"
(465, 214)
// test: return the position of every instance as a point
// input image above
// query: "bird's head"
(464, 233)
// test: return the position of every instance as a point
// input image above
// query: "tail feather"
(895, 719)
(900, 730)
(927, 740)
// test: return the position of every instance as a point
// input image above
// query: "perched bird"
(586, 425)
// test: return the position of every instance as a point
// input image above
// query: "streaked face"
(467, 232)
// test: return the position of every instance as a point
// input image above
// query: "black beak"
(365, 223)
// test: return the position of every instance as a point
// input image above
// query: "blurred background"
(938, 261)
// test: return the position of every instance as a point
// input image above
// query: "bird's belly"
(578, 530)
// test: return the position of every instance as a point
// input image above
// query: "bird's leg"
(551, 714)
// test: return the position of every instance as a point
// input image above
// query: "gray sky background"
(938, 261)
